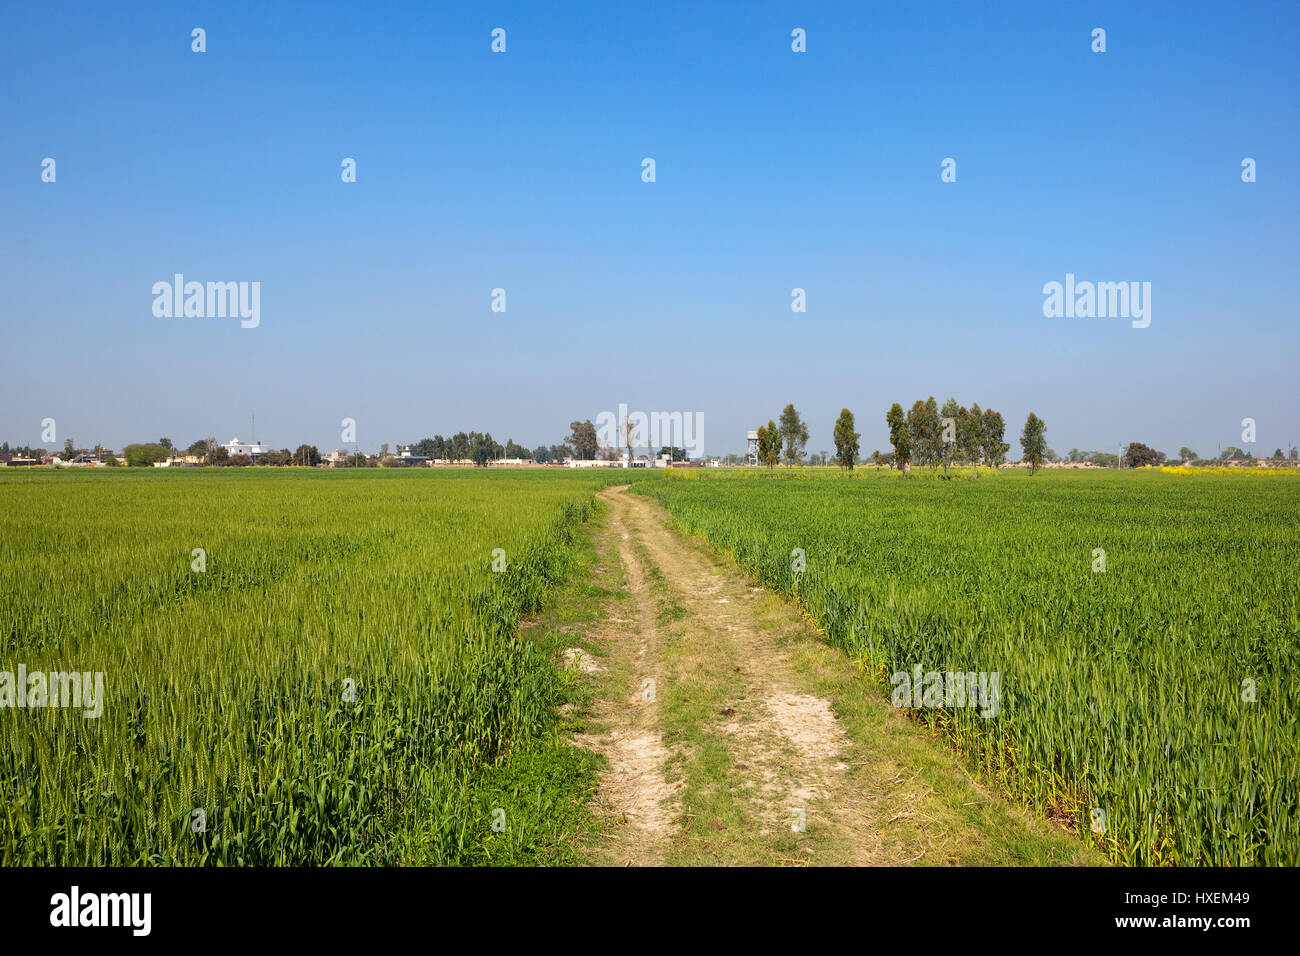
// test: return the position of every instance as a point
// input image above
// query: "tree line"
(785, 441)
(927, 434)
(924, 435)
(477, 447)
(935, 436)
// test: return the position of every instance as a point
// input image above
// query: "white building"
(237, 447)
(604, 463)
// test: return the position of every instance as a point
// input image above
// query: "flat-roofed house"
(236, 447)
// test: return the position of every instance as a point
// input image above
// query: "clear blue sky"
(523, 171)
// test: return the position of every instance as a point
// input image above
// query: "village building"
(408, 456)
(253, 450)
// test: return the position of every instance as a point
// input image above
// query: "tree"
(218, 455)
(478, 448)
(968, 434)
(583, 439)
(199, 449)
(949, 444)
(1186, 454)
(1033, 441)
(769, 444)
(629, 433)
(281, 457)
(795, 435)
(846, 440)
(899, 436)
(924, 429)
(69, 452)
(241, 461)
(673, 452)
(1278, 454)
(306, 455)
(144, 455)
(1138, 455)
(992, 430)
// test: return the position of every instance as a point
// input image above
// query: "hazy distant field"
(224, 688)
(1126, 691)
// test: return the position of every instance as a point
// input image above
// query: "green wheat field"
(343, 682)
(225, 688)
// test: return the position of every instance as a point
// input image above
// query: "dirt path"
(634, 788)
(734, 734)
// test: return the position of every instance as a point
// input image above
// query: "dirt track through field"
(787, 747)
(719, 715)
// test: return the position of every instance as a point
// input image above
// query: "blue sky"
(522, 171)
